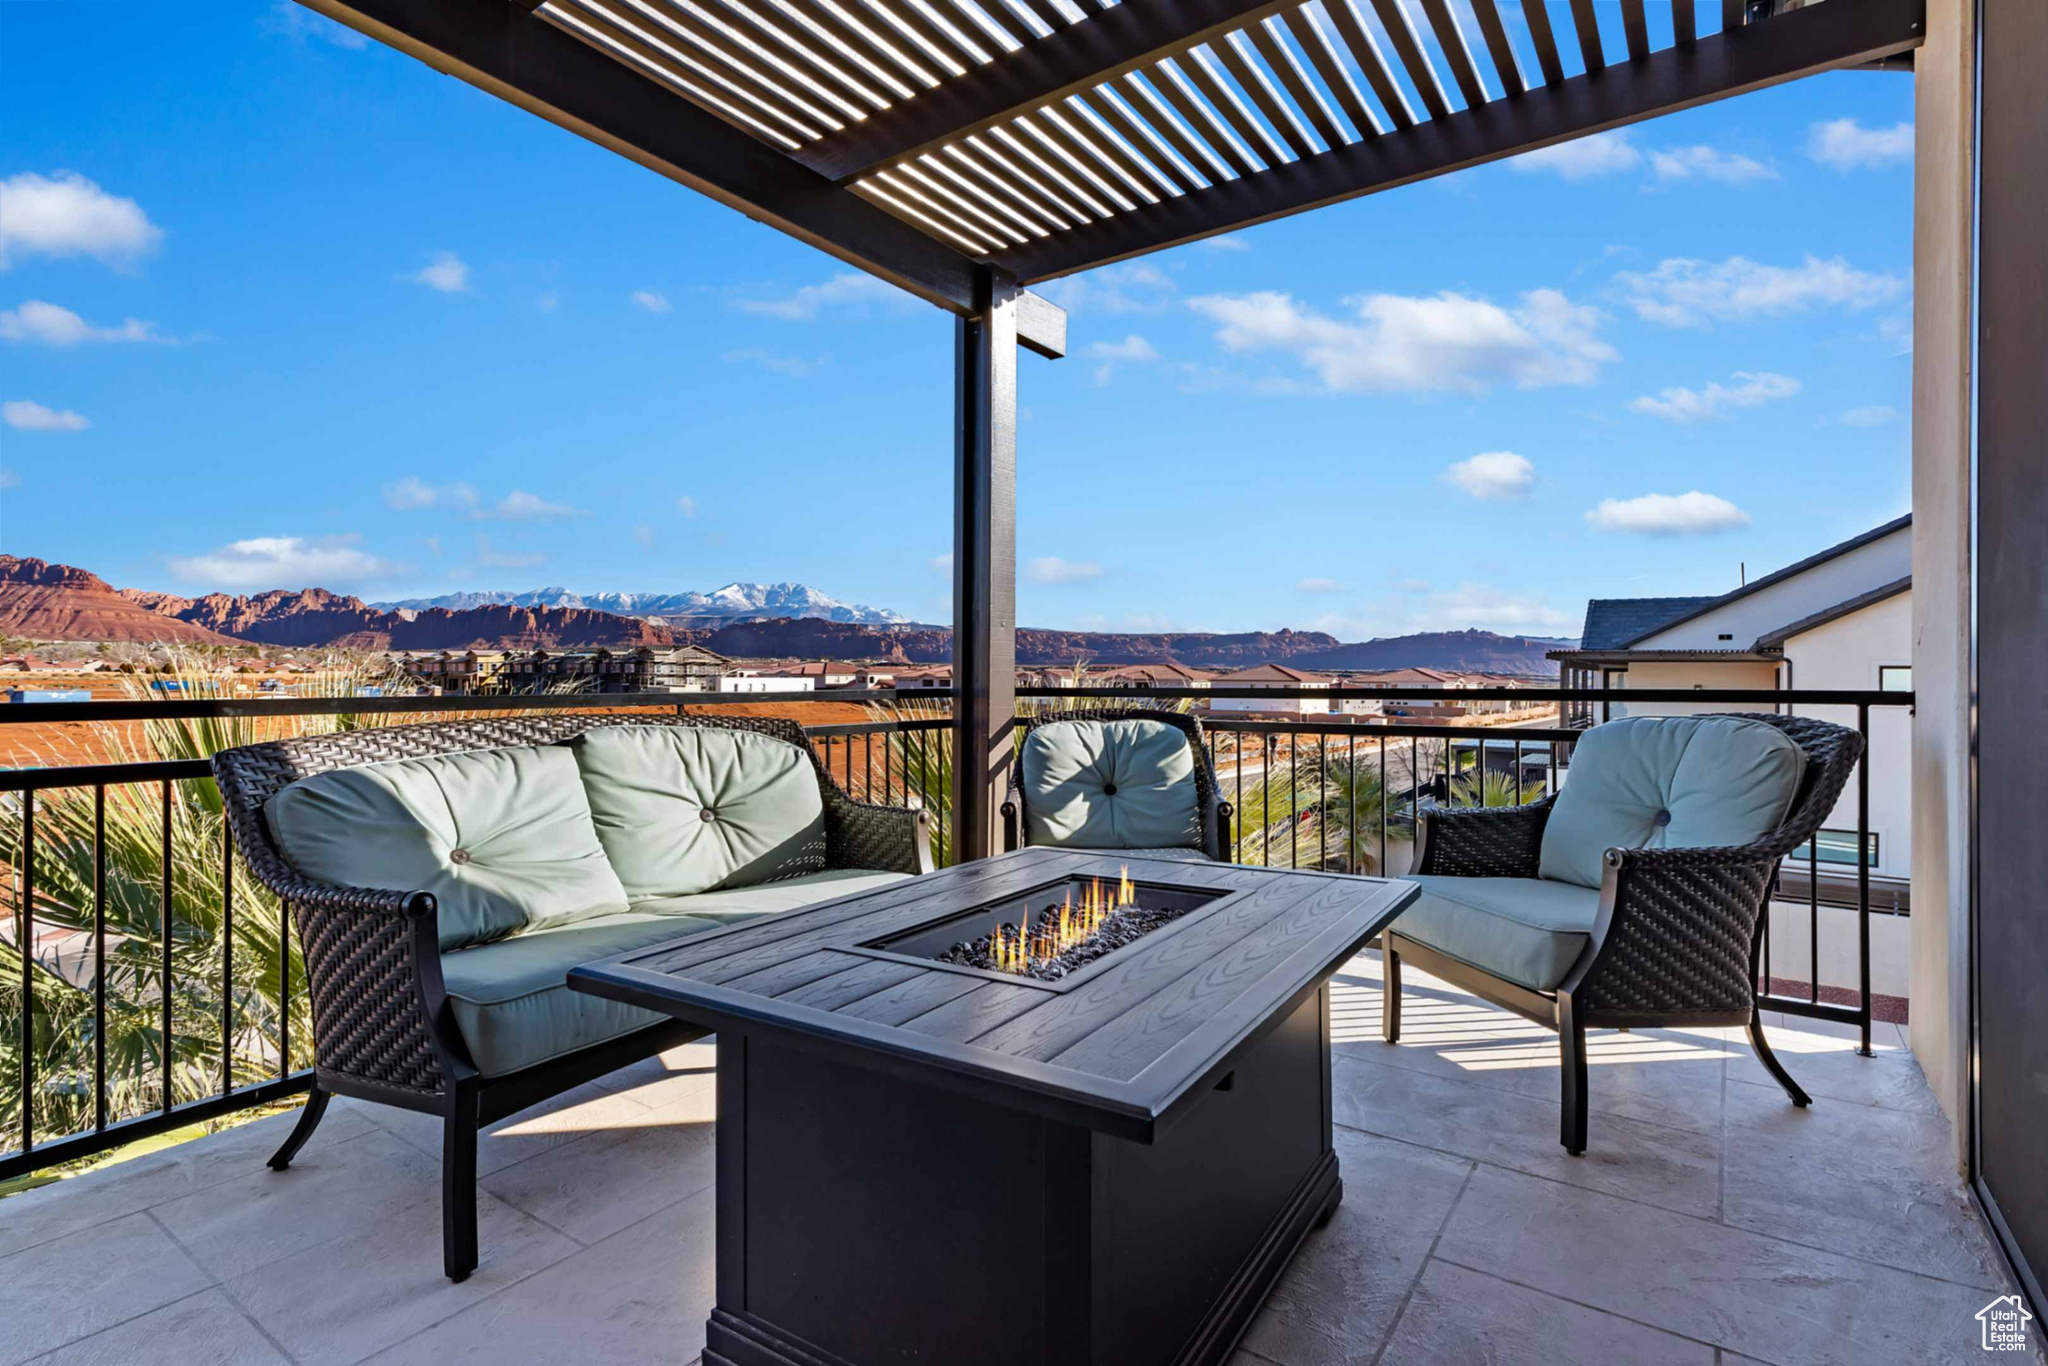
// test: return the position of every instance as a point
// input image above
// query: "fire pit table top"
(1121, 1050)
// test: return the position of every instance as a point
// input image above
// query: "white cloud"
(413, 494)
(686, 505)
(1678, 404)
(649, 301)
(1846, 145)
(1663, 514)
(29, 416)
(1318, 586)
(644, 534)
(1494, 476)
(1053, 569)
(1449, 341)
(264, 562)
(806, 302)
(1133, 288)
(1682, 292)
(68, 215)
(1133, 349)
(942, 563)
(446, 272)
(1583, 158)
(9, 479)
(521, 506)
(492, 558)
(53, 325)
(1876, 415)
(775, 362)
(1229, 241)
(1897, 333)
(1493, 609)
(1708, 163)
(290, 20)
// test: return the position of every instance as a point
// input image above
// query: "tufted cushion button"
(458, 855)
(707, 814)
(1662, 819)
(1109, 789)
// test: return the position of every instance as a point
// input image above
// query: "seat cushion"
(1679, 782)
(1109, 785)
(1527, 930)
(502, 837)
(733, 905)
(682, 810)
(511, 999)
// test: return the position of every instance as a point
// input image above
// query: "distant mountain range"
(59, 602)
(733, 602)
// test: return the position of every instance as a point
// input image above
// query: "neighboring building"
(932, 676)
(822, 673)
(757, 680)
(1165, 674)
(1280, 676)
(1841, 619)
(685, 668)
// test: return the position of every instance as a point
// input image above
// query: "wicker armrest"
(891, 839)
(1676, 930)
(1494, 841)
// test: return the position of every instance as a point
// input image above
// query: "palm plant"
(921, 763)
(1322, 808)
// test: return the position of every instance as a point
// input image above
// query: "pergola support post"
(984, 559)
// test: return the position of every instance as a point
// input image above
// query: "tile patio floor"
(1708, 1223)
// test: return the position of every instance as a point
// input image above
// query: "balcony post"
(984, 559)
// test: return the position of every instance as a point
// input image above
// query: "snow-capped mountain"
(733, 601)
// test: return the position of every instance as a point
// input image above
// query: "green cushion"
(1678, 782)
(1109, 785)
(741, 903)
(1527, 930)
(511, 999)
(684, 810)
(501, 837)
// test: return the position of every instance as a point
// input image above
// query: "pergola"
(965, 150)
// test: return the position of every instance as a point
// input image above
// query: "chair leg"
(458, 1187)
(1771, 1063)
(1390, 990)
(1571, 1044)
(309, 1119)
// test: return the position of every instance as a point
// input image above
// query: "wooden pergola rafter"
(966, 149)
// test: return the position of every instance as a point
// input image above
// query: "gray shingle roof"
(1613, 622)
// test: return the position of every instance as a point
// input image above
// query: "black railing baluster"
(25, 942)
(99, 957)
(284, 990)
(1863, 875)
(1383, 806)
(164, 927)
(1351, 784)
(227, 960)
(1813, 916)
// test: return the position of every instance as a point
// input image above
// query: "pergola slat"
(1365, 50)
(1731, 15)
(869, 44)
(1016, 140)
(560, 77)
(1199, 68)
(1636, 27)
(1158, 115)
(1408, 47)
(1251, 79)
(1589, 35)
(749, 69)
(1048, 14)
(717, 63)
(1506, 64)
(1451, 39)
(908, 18)
(971, 17)
(1081, 114)
(1537, 15)
(1316, 44)
(1684, 26)
(800, 56)
(1281, 61)
(691, 81)
(1004, 161)
(1130, 37)
(1798, 43)
(1163, 167)
(1089, 161)
(971, 169)
(1167, 79)
(1027, 224)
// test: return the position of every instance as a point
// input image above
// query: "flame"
(1015, 948)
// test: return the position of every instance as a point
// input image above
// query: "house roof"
(1163, 669)
(1612, 622)
(1775, 640)
(1274, 673)
(1778, 576)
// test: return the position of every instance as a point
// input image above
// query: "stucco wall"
(1813, 590)
(1846, 653)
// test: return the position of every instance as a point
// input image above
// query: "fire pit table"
(1050, 1107)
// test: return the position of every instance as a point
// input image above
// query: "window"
(1895, 677)
(1838, 846)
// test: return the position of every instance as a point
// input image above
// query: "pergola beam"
(1067, 61)
(503, 49)
(1799, 43)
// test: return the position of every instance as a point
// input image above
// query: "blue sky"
(279, 307)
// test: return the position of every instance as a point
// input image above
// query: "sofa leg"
(309, 1119)
(1390, 990)
(1571, 1044)
(458, 1187)
(1771, 1063)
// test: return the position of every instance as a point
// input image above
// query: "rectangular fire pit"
(931, 1161)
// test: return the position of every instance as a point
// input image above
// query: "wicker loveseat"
(1634, 897)
(1128, 779)
(445, 878)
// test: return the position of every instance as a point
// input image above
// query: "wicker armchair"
(1676, 938)
(1211, 838)
(382, 1025)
